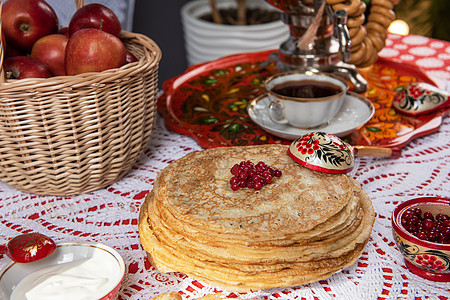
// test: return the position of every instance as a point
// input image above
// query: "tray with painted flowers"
(225, 103)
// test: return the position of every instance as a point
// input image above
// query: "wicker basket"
(69, 135)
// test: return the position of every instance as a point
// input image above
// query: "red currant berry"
(407, 215)
(439, 227)
(268, 179)
(243, 174)
(404, 221)
(428, 224)
(235, 169)
(442, 240)
(417, 211)
(446, 232)
(428, 215)
(421, 235)
(257, 185)
(433, 235)
(441, 217)
(247, 174)
(414, 219)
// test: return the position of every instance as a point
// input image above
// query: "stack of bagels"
(369, 39)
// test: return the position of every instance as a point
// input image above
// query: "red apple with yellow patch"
(50, 50)
(93, 50)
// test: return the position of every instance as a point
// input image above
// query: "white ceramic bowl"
(206, 41)
(109, 272)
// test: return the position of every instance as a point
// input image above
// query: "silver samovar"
(319, 40)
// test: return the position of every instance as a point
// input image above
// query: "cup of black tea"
(306, 100)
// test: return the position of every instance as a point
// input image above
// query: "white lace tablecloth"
(110, 215)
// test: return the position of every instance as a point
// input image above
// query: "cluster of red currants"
(427, 227)
(247, 174)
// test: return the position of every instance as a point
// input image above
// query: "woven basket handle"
(2, 52)
(78, 3)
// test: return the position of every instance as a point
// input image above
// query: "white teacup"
(305, 99)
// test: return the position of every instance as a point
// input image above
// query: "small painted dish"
(420, 98)
(427, 259)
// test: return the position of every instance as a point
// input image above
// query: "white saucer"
(354, 113)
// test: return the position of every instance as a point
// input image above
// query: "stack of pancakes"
(302, 227)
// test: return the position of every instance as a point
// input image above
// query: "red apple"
(11, 51)
(50, 50)
(25, 21)
(19, 67)
(64, 30)
(129, 58)
(93, 50)
(96, 16)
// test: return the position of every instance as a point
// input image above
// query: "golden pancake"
(196, 190)
(168, 296)
(244, 277)
(301, 228)
(295, 251)
(176, 296)
(331, 226)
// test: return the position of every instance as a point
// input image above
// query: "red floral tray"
(208, 103)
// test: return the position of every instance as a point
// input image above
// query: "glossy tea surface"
(306, 89)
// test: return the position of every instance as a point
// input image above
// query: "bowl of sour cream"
(76, 270)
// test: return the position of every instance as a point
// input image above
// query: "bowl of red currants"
(421, 229)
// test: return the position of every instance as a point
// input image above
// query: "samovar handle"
(340, 20)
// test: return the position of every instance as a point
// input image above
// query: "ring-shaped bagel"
(359, 36)
(356, 21)
(366, 41)
(355, 47)
(384, 3)
(377, 41)
(371, 54)
(382, 10)
(361, 9)
(357, 55)
(384, 20)
(375, 31)
(350, 9)
(333, 2)
(354, 31)
(375, 26)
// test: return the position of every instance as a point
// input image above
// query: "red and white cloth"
(110, 215)
(430, 55)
